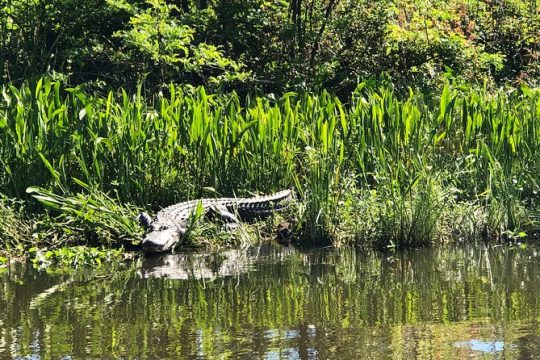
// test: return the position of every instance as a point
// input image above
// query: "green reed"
(408, 163)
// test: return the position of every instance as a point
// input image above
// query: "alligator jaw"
(160, 241)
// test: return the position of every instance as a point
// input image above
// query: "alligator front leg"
(220, 211)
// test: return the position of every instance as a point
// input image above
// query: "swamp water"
(273, 302)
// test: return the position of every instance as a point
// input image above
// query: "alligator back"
(245, 207)
(261, 205)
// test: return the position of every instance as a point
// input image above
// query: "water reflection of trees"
(344, 302)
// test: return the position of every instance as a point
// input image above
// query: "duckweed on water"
(72, 256)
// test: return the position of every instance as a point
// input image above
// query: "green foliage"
(93, 216)
(273, 46)
(156, 42)
(381, 169)
(59, 37)
(157, 36)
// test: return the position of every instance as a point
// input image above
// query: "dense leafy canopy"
(273, 45)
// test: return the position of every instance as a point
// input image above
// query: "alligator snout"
(157, 240)
(160, 237)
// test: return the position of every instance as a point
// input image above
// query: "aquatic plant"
(380, 169)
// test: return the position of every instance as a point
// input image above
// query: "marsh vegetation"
(397, 123)
(381, 170)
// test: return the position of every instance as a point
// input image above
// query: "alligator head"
(161, 234)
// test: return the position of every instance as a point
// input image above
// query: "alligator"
(169, 225)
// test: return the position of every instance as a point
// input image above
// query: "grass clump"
(56, 238)
(16, 228)
(92, 217)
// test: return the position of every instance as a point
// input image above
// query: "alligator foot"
(221, 212)
(285, 233)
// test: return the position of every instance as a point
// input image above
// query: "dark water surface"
(280, 303)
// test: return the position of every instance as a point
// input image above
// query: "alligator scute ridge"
(169, 225)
